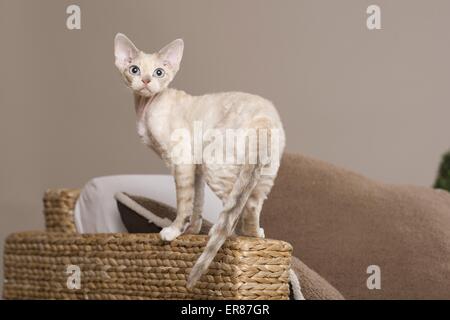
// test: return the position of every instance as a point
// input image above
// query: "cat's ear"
(124, 51)
(172, 53)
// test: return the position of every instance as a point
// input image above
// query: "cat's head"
(147, 74)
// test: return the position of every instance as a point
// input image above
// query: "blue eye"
(135, 70)
(159, 73)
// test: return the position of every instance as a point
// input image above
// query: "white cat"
(162, 112)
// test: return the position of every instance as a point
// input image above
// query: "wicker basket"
(136, 266)
(58, 210)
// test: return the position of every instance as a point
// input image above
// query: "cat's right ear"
(124, 51)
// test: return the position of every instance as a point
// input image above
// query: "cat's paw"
(195, 227)
(261, 233)
(169, 233)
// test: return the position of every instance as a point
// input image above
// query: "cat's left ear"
(172, 53)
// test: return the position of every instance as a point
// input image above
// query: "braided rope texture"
(59, 206)
(137, 266)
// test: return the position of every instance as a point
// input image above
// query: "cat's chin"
(144, 93)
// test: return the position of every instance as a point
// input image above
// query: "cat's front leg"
(185, 187)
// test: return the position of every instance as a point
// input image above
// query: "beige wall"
(376, 102)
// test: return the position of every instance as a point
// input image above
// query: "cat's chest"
(152, 128)
(142, 131)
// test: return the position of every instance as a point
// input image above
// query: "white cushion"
(96, 209)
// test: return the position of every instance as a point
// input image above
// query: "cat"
(161, 111)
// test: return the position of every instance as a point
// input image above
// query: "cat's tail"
(228, 219)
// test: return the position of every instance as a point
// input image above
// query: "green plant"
(443, 179)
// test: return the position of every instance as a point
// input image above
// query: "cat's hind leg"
(249, 225)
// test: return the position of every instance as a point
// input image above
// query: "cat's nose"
(146, 80)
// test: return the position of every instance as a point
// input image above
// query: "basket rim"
(234, 243)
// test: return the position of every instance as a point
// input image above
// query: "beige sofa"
(340, 223)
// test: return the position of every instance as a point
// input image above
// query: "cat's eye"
(135, 70)
(159, 73)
